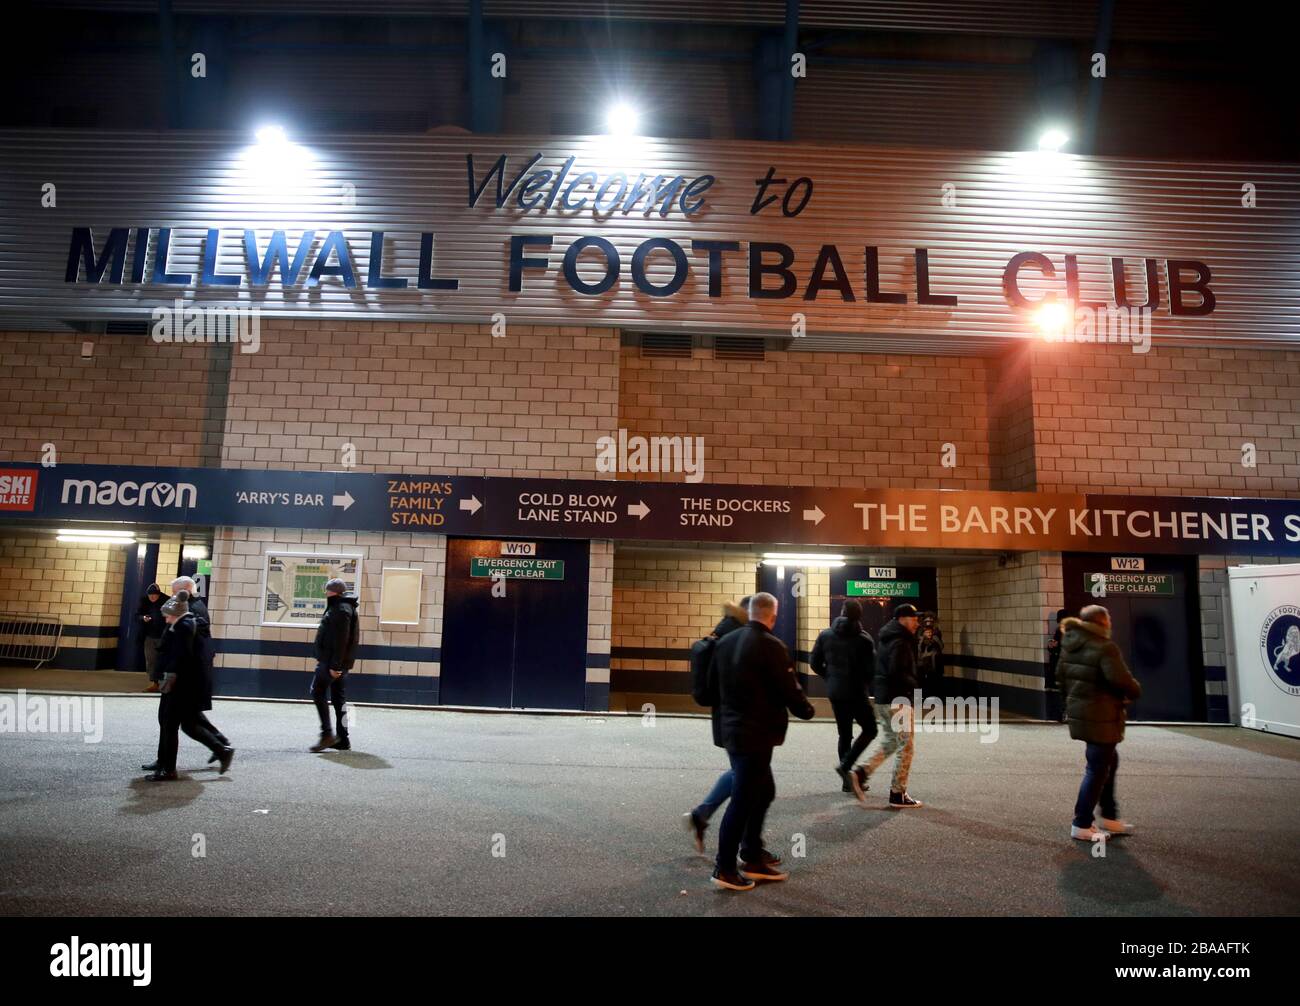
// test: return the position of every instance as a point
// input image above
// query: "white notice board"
(399, 596)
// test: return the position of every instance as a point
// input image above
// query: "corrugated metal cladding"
(575, 89)
(891, 198)
(1134, 19)
(390, 93)
(920, 107)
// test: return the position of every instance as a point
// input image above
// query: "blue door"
(1155, 621)
(140, 566)
(524, 644)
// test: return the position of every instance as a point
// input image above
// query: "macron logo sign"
(108, 493)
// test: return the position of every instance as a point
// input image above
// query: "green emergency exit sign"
(1157, 584)
(517, 568)
(883, 588)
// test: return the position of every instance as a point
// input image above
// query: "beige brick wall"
(239, 555)
(813, 607)
(135, 402)
(1212, 585)
(663, 600)
(169, 557)
(1168, 422)
(81, 584)
(988, 610)
(1011, 421)
(448, 399)
(829, 419)
(600, 606)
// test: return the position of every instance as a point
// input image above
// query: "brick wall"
(448, 399)
(828, 419)
(813, 607)
(169, 557)
(81, 584)
(667, 601)
(1168, 422)
(600, 609)
(999, 615)
(1215, 604)
(1011, 422)
(239, 555)
(97, 410)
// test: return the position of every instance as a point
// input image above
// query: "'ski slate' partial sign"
(555, 508)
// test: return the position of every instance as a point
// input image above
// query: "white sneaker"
(1116, 827)
(1088, 834)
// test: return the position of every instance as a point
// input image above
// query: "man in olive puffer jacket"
(1097, 685)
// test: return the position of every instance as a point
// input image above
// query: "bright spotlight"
(1053, 139)
(621, 120)
(271, 136)
(1052, 319)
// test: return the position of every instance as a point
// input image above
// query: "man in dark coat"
(734, 616)
(929, 655)
(845, 656)
(895, 687)
(336, 647)
(756, 688)
(152, 625)
(206, 648)
(180, 706)
(1055, 700)
(1097, 686)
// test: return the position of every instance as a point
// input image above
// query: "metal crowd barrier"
(29, 637)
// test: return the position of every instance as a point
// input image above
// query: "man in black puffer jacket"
(336, 650)
(895, 686)
(757, 690)
(845, 656)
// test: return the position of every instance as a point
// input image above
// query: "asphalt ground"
(447, 813)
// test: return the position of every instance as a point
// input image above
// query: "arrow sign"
(345, 500)
(638, 509)
(815, 515)
(472, 504)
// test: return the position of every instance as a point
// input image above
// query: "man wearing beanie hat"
(336, 648)
(845, 656)
(895, 684)
(183, 690)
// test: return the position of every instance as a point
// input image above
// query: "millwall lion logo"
(1279, 645)
(1290, 648)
